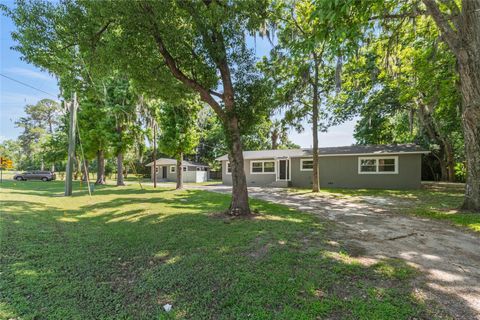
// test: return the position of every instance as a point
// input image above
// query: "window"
(378, 165)
(184, 168)
(228, 168)
(269, 166)
(173, 169)
(386, 165)
(259, 167)
(156, 169)
(306, 165)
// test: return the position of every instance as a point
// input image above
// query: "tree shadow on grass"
(128, 261)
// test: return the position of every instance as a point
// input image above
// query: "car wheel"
(19, 178)
(44, 179)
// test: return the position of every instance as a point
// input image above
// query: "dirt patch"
(447, 257)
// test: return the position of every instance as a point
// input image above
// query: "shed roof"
(168, 161)
(333, 151)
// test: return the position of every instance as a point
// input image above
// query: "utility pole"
(71, 145)
(154, 154)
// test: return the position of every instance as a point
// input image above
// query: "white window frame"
(301, 164)
(227, 163)
(173, 169)
(377, 165)
(263, 166)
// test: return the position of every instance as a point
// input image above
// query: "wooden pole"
(71, 146)
(154, 154)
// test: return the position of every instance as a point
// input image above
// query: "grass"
(126, 252)
(441, 202)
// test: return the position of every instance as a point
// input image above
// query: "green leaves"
(179, 134)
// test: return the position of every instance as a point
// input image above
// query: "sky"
(14, 96)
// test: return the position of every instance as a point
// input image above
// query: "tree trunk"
(77, 168)
(180, 171)
(274, 138)
(446, 156)
(464, 41)
(449, 161)
(84, 170)
(120, 181)
(315, 179)
(154, 154)
(53, 167)
(239, 204)
(100, 167)
(470, 88)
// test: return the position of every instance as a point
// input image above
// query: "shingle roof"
(331, 151)
(168, 161)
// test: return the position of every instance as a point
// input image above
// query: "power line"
(27, 85)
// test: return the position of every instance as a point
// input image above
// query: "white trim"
(226, 168)
(174, 169)
(263, 167)
(301, 164)
(376, 165)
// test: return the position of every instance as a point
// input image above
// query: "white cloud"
(24, 72)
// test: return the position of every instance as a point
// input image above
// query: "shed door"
(164, 172)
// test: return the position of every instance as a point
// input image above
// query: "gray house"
(167, 170)
(373, 166)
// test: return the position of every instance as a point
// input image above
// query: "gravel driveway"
(448, 257)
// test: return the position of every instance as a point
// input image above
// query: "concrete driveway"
(448, 257)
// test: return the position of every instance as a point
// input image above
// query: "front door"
(164, 172)
(284, 169)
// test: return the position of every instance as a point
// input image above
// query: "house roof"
(333, 151)
(168, 161)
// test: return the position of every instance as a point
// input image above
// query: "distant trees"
(408, 94)
(179, 133)
(38, 125)
(302, 68)
(360, 24)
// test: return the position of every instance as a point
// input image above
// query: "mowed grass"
(126, 252)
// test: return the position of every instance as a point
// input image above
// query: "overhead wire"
(27, 85)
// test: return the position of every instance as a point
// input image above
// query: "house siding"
(191, 175)
(342, 172)
(253, 180)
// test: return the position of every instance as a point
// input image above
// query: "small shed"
(166, 170)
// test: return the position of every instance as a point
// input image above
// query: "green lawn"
(440, 202)
(126, 252)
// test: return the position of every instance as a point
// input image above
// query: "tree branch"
(217, 94)
(215, 41)
(394, 16)
(450, 36)
(174, 69)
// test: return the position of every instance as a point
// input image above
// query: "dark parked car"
(35, 175)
